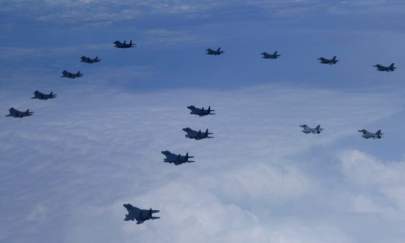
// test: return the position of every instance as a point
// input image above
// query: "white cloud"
(85, 153)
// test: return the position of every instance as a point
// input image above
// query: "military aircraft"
(214, 52)
(200, 111)
(366, 134)
(266, 55)
(324, 60)
(19, 114)
(306, 129)
(382, 68)
(197, 135)
(41, 96)
(176, 159)
(140, 215)
(119, 44)
(66, 74)
(89, 59)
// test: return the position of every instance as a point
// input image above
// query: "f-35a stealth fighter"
(324, 60)
(66, 74)
(306, 129)
(200, 111)
(119, 44)
(176, 159)
(366, 134)
(89, 59)
(213, 52)
(41, 96)
(266, 55)
(382, 68)
(19, 114)
(140, 215)
(197, 135)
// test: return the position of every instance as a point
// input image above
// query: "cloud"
(378, 178)
(95, 147)
(108, 11)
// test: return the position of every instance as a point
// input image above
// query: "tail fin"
(379, 134)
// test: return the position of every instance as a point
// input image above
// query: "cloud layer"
(69, 168)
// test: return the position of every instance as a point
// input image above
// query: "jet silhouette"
(200, 111)
(140, 215)
(119, 44)
(366, 134)
(266, 55)
(197, 135)
(176, 159)
(324, 60)
(216, 52)
(19, 114)
(41, 96)
(382, 68)
(306, 129)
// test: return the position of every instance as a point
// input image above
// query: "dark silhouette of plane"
(366, 134)
(41, 96)
(266, 55)
(200, 111)
(216, 52)
(324, 60)
(177, 159)
(89, 59)
(306, 129)
(119, 44)
(19, 114)
(66, 74)
(382, 68)
(140, 215)
(197, 135)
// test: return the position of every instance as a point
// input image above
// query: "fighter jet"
(140, 215)
(119, 44)
(324, 60)
(176, 159)
(216, 52)
(382, 68)
(306, 129)
(366, 134)
(19, 114)
(266, 55)
(41, 96)
(66, 74)
(200, 111)
(89, 59)
(197, 135)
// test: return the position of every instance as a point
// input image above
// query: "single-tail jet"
(89, 59)
(177, 159)
(66, 74)
(366, 134)
(216, 52)
(316, 130)
(41, 96)
(200, 111)
(19, 114)
(197, 135)
(382, 68)
(119, 44)
(140, 215)
(273, 55)
(324, 60)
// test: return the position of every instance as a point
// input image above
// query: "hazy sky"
(66, 171)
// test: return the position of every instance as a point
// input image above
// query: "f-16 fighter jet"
(89, 59)
(214, 52)
(176, 159)
(41, 96)
(382, 68)
(197, 135)
(140, 215)
(324, 60)
(66, 74)
(119, 44)
(200, 111)
(366, 134)
(19, 114)
(306, 129)
(266, 55)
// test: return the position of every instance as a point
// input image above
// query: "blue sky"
(66, 171)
